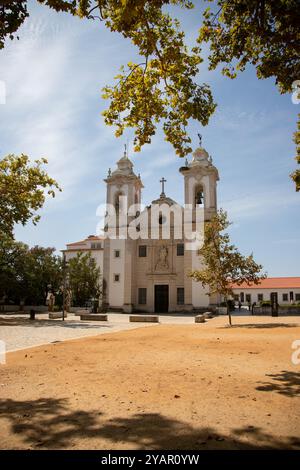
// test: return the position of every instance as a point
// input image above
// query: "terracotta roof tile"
(272, 283)
(90, 238)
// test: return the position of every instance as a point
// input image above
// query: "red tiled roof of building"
(76, 243)
(82, 242)
(272, 283)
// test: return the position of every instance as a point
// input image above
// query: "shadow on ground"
(53, 323)
(51, 424)
(263, 325)
(285, 382)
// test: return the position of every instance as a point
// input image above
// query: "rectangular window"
(117, 277)
(117, 253)
(260, 297)
(285, 297)
(248, 297)
(242, 297)
(180, 295)
(297, 297)
(142, 251)
(142, 295)
(236, 297)
(180, 249)
(291, 296)
(96, 246)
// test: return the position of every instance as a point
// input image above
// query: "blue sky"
(54, 75)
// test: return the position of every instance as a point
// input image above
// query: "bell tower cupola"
(200, 182)
(123, 182)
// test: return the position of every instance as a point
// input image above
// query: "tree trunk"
(228, 313)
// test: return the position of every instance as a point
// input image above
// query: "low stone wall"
(93, 317)
(284, 311)
(221, 310)
(144, 318)
(26, 308)
(77, 310)
(9, 308)
(55, 315)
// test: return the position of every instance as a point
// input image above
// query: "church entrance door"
(161, 298)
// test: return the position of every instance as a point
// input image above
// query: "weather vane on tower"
(200, 139)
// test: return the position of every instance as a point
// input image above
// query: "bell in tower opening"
(199, 197)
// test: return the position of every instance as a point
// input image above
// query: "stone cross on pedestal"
(162, 181)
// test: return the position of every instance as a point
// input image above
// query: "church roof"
(89, 238)
(163, 199)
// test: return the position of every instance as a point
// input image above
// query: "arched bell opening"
(118, 202)
(199, 196)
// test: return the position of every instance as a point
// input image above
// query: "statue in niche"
(162, 262)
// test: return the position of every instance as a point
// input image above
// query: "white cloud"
(260, 204)
(49, 88)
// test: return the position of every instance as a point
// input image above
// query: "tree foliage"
(83, 278)
(264, 33)
(12, 14)
(296, 174)
(223, 263)
(26, 273)
(162, 87)
(22, 191)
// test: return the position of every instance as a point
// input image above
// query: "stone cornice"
(124, 179)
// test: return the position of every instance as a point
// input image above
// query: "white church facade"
(146, 273)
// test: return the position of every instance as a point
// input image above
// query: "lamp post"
(64, 286)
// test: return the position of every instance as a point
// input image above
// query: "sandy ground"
(193, 386)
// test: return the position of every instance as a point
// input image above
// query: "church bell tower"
(200, 183)
(123, 188)
(200, 190)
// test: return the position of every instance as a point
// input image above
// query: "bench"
(144, 318)
(93, 317)
(55, 315)
(208, 315)
(199, 319)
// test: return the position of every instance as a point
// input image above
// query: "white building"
(92, 244)
(147, 274)
(287, 289)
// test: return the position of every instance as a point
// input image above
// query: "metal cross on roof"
(163, 181)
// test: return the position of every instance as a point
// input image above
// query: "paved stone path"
(19, 332)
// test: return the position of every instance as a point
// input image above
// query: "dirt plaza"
(168, 386)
